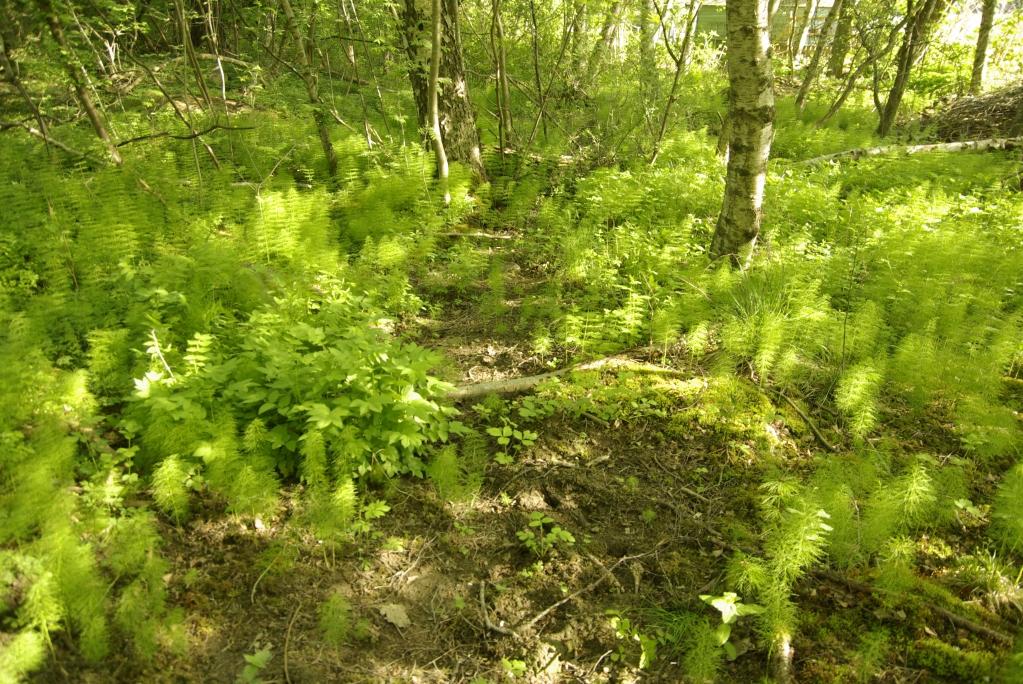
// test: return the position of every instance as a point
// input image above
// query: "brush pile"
(995, 115)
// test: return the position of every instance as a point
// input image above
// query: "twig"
(607, 572)
(806, 419)
(49, 140)
(688, 490)
(578, 592)
(486, 615)
(252, 594)
(287, 640)
(159, 353)
(484, 236)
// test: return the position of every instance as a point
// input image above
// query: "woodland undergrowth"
(173, 332)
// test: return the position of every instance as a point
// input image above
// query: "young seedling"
(542, 535)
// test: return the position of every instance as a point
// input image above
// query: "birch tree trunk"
(649, 80)
(501, 87)
(751, 114)
(536, 61)
(456, 115)
(607, 33)
(805, 28)
(987, 19)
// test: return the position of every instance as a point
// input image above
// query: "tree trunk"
(433, 88)
(309, 76)
(53, 21)
(805, 28)
(840, 45)
(790, 39)
(681, 59)
(987, 19)
(536, 61)
(607, 33)
(13, 77)
(187, 32)
(923, 17)
(818, 52)
(457, 117)
(501, 88)
(751, 114)
(649, 80)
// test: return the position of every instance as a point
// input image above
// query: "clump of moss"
(949, 661)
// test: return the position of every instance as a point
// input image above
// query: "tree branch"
(190, 136)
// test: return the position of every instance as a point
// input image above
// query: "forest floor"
(445, 591)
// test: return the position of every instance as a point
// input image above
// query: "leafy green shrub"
(323, 396)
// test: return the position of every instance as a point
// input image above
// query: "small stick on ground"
(688, 490)
(486, 615)
(482, 236)
(806, 419)
(287, 640)
(578, 592)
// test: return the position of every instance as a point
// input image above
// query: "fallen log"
(524, 384)
(961, 146)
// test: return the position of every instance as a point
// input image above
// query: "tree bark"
(840, 45)
(924, 15)
(57, 30)
(607, 33)
(818, 52)
(13, 77)
(501, 88)
(681, 60)
(805, 29)
(432, 105)
(649, 81)
(751, 114)
(987, 19)
(309, 76)
(187, 41)
(536, 60)
(455, 111)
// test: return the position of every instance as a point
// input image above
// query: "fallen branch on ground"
(287, 640)
(806, 419)
(961, 146)
(486, 615)
(484, 236)
(523, 384)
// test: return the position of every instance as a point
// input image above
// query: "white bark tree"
(751, 115)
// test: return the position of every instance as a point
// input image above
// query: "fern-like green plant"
(335, 619)
(1007, 512)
